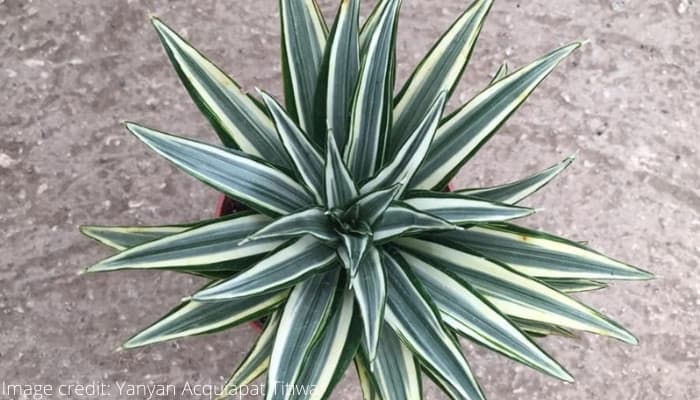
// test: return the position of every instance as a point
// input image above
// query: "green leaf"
(306, 159)
(371, 206)
(371, 111)
(368, 384)
(202, 246)
(540, 329)
(513, 193)
(343, 70)
(282, 269)
(416, 321)
(575, 285)
(340, 188)
(541, 255)
(402, 219)
(512, 293)
(370, 25)
(369, 285)
(313, 222)
(194, 318)
(123, 237)
(468, 128)
(232, 113)
(395, 370)
(330, 356)
(232, 172)
(466, 311)
(353, 251)
(411, 153)
(501, 73)
(459, 209)
(303, 320)
(257, 360)
(304, 35)
(438, 72)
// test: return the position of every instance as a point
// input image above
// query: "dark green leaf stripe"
(402, 219)
(513, 193)
(468, 128)
(541, 255)
(395, 370)
(414, 319)
(234, 115)
(438, 72)
(304, 318)
(340, 188)
(369, 285)
(312, 222)
(280, 270)
(461, 210)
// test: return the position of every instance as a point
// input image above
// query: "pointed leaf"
(366, 378)
(402, 219)
(461, 210)
(369, 285)
(353, 251)
(124, 237)
(414, 319)
(501, 73)
(305, 316)
(234, 115)
(539, 329)
(466, 311)
(540, 254)
(515, 294)
(513, 193)
(340, 188)
(438, 72)
(411, 152)
(282, 269)
(395, 370)
(229, 171)
(371, 206)
(370, 25)
(313, 222)
(303, 41)
(575, 285)
(371, 109)
(468, 128)
(306, 159)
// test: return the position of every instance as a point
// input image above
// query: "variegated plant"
(352, 250)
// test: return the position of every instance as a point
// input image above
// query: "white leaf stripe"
(401, 219)
(195, 318)
(282, 269)
(515, 294)
(469, 127)
(464, 310)
(257, 360)
(234, 115)
(123, 237)
(340, 188)
(304, 317)
(370, 118)
(395, 371)
(438, 72)
(369, 285)
(200, 246)
(411, 153)
(243, 178)
(312, 221)
(414, 319)
(541, 255)
(460, 209)
(304, 40)
(513, 193)
(306, 159)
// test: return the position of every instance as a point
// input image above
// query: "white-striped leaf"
(466, 311)
(304, 35)
(541, 329)
(257, 360)
(368, 384)
(438, 72)
(468, 128)
(395, 370)
(369, 285)
(513, 293)
(371, 206)
(343, 69)
(124, 237)
(194, 318)
(282, 269)
(459, 209)
(330, 356)
(370, 25)
(575, 285)
(313, 222)
(501, 73)
(416, 321)
(411, 152)
(233, 114)
(541, 255)
(229, 171)
(513, 193)
(306, 158)
(340, 188)
(353, 251)
(304, 318)
(402, 219)
(371, 111)
(201, 246)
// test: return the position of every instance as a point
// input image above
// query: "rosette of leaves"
(352, 250)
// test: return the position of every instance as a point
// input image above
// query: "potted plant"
(349, 246)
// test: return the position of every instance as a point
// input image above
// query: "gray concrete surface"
(71, 70)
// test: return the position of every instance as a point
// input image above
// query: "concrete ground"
(71, 70)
